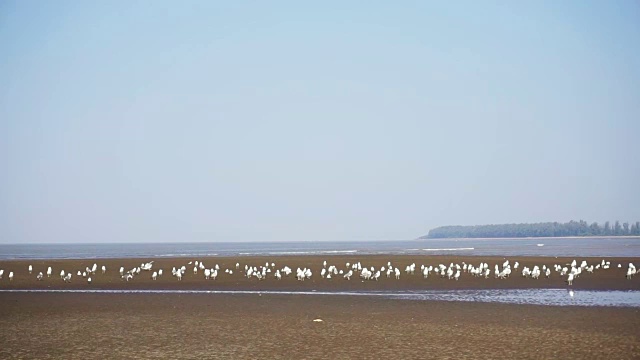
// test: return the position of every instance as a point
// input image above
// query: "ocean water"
(548, 297)
(592, 247)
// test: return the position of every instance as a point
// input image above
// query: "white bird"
(30, 269)
(287, 270)
(49, 270)
(11, 276)
(348, 275)
(154, 276)
(104, 269)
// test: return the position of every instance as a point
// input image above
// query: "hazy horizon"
(169, 122)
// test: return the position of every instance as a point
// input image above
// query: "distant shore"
(532, 237)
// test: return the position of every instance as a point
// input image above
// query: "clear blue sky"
(236, 121)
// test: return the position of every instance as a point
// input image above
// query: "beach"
(266, 325)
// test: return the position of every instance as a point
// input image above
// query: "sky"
(164, 121)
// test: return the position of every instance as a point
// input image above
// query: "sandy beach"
(249, 326)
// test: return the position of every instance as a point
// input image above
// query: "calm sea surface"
(611, 247)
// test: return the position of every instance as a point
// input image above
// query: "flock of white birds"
(453, 271)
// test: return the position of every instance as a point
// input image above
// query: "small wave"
(183, 255)
(312, 252)
(290, 252)
(450, 249)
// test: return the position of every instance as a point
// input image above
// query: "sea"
(561, 247)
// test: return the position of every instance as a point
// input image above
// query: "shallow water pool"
(551, 297)
(554, 297)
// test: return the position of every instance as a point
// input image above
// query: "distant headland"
(547, 229)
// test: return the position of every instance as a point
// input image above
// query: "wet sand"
(611, 279)
(243, 326)
(193, 326)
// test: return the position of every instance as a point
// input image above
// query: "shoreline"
(622, 246)
(611, 279)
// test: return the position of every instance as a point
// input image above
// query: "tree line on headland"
(547, 229)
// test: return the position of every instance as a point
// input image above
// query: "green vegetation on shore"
(547, 229)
